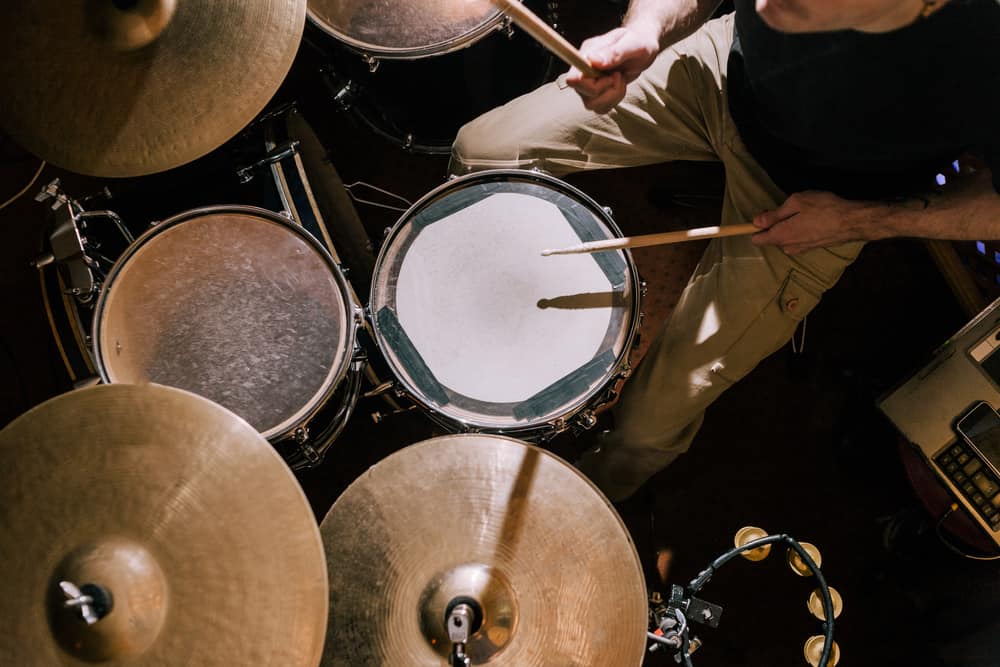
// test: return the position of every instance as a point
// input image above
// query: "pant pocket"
(772, 328)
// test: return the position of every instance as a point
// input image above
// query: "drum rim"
(367, 49)
(582, 401)
(305, 413)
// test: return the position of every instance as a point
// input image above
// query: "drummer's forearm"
(672, 20)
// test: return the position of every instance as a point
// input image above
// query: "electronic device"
(946, 410)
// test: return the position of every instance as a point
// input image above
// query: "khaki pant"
(742, 303)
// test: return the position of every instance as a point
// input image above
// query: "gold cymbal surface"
(118, 88)
(491, 519)
(177, 508)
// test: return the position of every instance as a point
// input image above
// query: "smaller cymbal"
(518, 534)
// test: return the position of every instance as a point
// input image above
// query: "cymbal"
(168, 509)
(131, 87)
(491, 519)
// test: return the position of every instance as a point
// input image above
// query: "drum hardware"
(586, 420)
(374, 188)
(91, 602)
(507, 27)
(342, 93)
(273, 156)
(463, 561)
(669, 620)
(142, 546)
(379, 416)
(462, 624)
(78, 257)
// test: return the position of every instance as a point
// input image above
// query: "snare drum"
(484, 332)
(241, 306)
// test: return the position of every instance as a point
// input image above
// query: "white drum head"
(483, 327)
(234, 304)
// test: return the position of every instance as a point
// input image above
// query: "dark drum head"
(231, 303)
(403, 28)
(421, 104)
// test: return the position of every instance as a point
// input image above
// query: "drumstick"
(655, 239)
(545, 35)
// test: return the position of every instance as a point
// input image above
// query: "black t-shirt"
(869, 115)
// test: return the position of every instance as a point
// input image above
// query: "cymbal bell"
(117, 88)
(510, 529)
(147, 525)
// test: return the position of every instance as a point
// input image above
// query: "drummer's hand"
(623, 54)
(814, 219)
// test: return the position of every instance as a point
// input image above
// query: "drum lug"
(344, 98)
(610, 213)
(586, 420)
(301, 437)
(372, 62)
(311, 455)
(643, 289)
(408, 142)
(507, 27)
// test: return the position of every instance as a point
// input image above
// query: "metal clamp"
(277, 154)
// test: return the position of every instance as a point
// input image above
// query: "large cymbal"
(125, 92)
(506, 524)
(179, 509)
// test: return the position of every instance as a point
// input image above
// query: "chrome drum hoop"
(296, 427)
(577, 412)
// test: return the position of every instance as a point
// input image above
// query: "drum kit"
(155, 518)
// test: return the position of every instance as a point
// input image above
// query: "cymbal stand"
(460, 627)
(84, 266)
(91, 602)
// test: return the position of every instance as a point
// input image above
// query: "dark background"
(797, 447)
